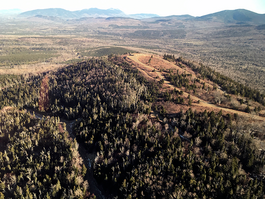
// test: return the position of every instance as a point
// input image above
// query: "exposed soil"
(154, 72)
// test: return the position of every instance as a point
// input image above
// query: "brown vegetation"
(155, 68)
(44, 95)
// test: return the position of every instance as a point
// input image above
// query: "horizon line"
(22, 11)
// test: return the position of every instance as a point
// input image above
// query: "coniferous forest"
(38, 159)
(188, 155)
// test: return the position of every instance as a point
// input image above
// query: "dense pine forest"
(38, 159)
(188, 155)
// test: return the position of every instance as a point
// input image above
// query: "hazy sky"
(161, 7)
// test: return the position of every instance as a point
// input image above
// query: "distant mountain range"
(239, 16)
(50, 12)
(92, 12)
(65, 14)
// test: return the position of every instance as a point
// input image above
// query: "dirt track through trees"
(93, 185)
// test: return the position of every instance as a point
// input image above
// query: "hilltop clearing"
(156, 68)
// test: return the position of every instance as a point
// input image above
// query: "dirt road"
(146, 69)
(93, 185)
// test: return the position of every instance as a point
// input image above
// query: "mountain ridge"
(226, 16)
(235, 16)
(65, 14)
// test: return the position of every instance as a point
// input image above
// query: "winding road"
(93, 185)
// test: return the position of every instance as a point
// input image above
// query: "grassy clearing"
(25, 58)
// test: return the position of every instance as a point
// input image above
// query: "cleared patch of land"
(153, 71)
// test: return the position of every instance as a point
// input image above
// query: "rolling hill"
(52, 12)
(235, 16)
(126, 126)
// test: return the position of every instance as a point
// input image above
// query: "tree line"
(226, 83)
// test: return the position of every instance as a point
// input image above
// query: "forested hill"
(140, 152)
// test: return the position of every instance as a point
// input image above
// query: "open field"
(234, 50)
(39, 45)
(20, 54)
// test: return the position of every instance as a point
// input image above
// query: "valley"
(235, 50)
